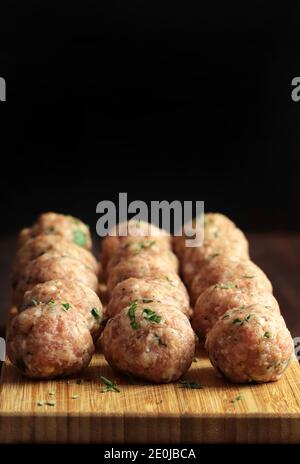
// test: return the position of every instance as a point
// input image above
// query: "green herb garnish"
(143, 245)
(35, 302)
(225, 286)
(131, 313)
(150, 315)
(75, 220)
(51, 302)
(239, 321)
(66, 306)
(267, 335)
(79, 238)
(95, 313)
(170, 281)
(208, 221)
(109, 385)
(237, 398)
(139, 246)
(214, 255)
(190, 384)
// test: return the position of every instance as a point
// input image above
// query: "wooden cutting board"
(220, 412)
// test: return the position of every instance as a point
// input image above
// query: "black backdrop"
(163, 100)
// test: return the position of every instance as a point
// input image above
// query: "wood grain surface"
(220, 412)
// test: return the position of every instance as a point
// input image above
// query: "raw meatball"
(143, 248)
(41, 244)
(129, 230)
(216, 300)
(82, 298)
(141, 267)
(50, 267)
(48, 341)
(250, 345)
(151, 341)
(227, 272)
(135, 228)
(147, 291)
(233, 244)
(216, 225)
(69, 227)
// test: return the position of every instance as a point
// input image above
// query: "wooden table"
(147, 413)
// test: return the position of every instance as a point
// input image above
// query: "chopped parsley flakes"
(150, 315)
(225, 286)
(236, 399)
(131, 314)
(239, 321)
(95, 313)
(79, 237)
(66, 306)
(109, 385)
(190, 384)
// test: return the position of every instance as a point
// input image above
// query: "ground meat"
(216, 225)
(130, 229)
(144, 248)
(79, 296)
(142, 229)
(37, 246)
(50, 267)
(228, 272)
(233, 244)
(250, 345)
(72, 229)
(48, 341)
(216, 300)
(141, 267)
(151, 341)
(147, 290)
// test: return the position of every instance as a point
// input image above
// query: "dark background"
(163, 100)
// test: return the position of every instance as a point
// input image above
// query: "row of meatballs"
(235, 311)
(148, 333)
(55, 284)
